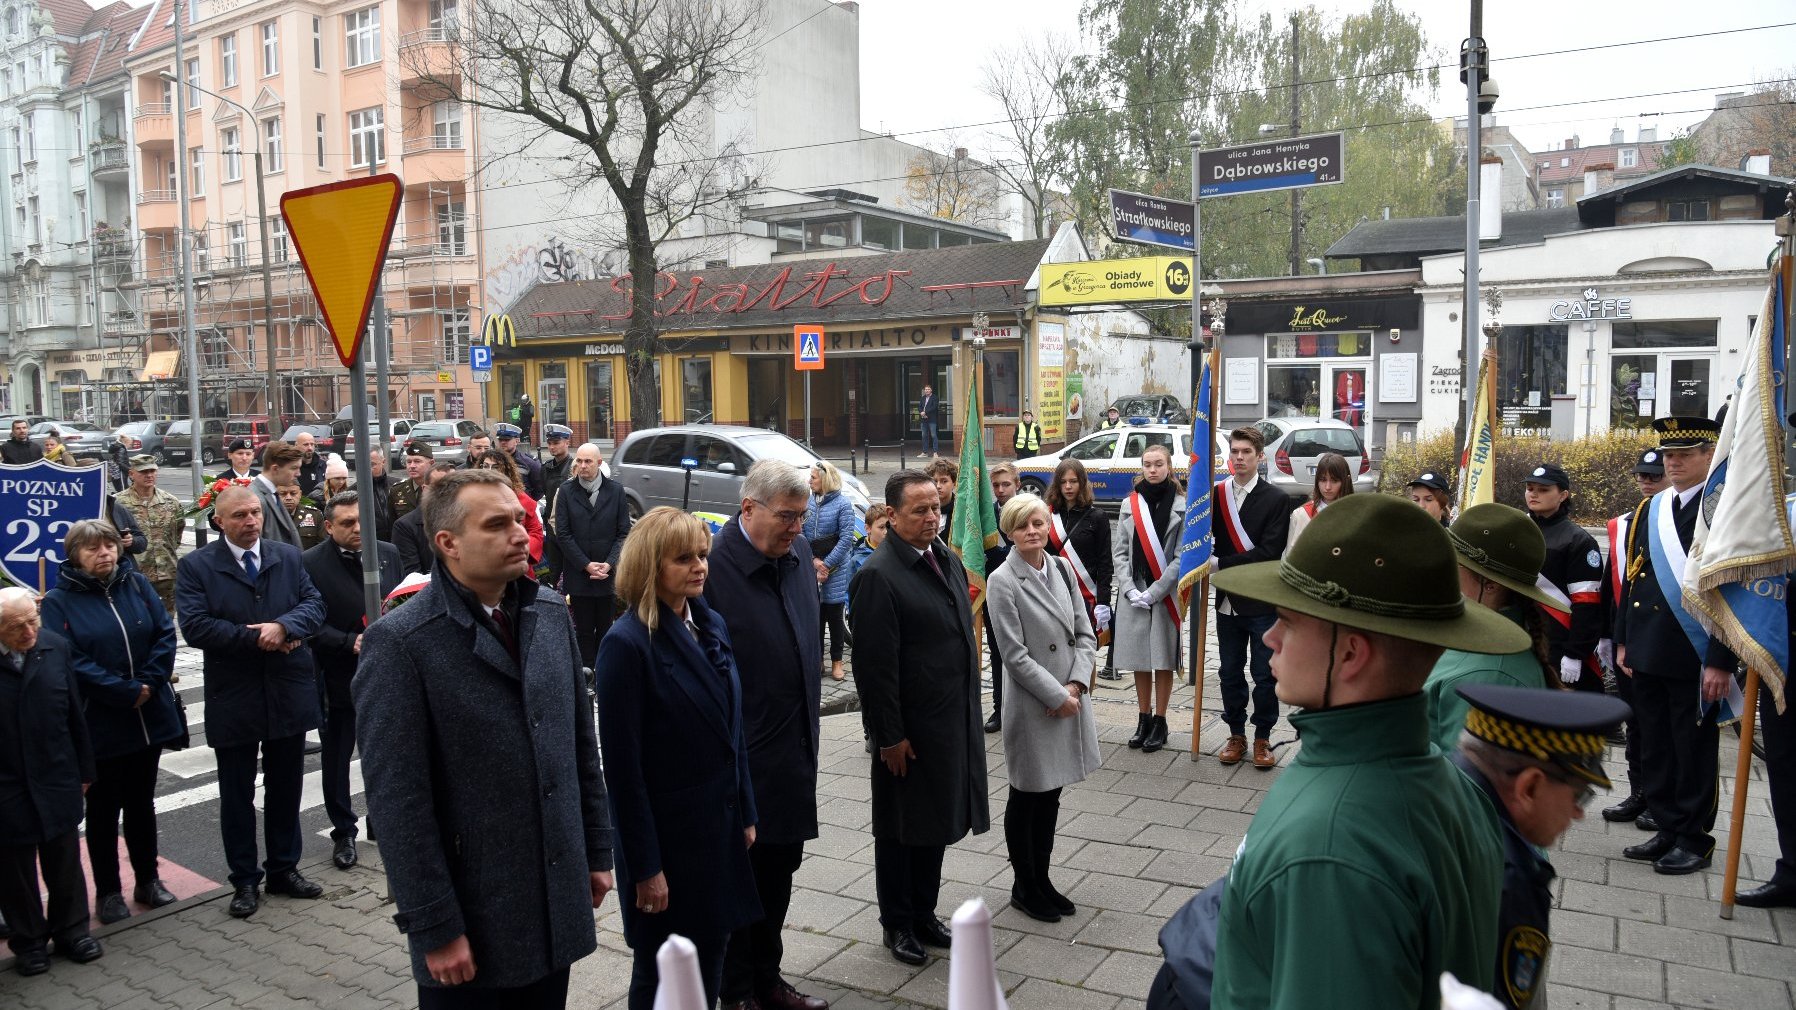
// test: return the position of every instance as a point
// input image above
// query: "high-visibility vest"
(1028, 438)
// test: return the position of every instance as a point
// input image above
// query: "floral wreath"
(213, 490)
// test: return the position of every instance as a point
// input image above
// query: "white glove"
(1103, 616)
(1570, 669)
(1139, 600)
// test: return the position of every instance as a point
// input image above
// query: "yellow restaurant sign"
(1103, 282)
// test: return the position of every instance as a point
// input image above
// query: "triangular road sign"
(341, 230)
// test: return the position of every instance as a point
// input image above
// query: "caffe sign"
(1591, 307)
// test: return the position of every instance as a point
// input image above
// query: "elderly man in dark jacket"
(591, 520)
(248, 605)
(916, 669)
(760, 582)
(43, 771)
(481, 758)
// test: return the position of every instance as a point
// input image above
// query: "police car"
(1112, 459)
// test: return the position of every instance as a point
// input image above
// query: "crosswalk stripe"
(200, 760)
(311, 791)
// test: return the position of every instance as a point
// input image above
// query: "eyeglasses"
(787, 517)
(1582, 791)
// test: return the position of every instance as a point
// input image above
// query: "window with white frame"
(361, 31)
(367, 137)
(1630, 157)
(84, 292)
(238, 240)
(458, 331)
(452, 228)
(75, 122)
(271, 142)
(317, 43)
(30, 121)
(39, 290)
(445, 125)
(1555, 198)
(321, 140)
(202, 251)
(443, 15)
(19, 213)
(227, 60)
(18, 150)
(193, 83)
(6, 81)
(35, 211)
(172, 169)
(168, 93)
(277, 239)
(271, 48)
(81, 233)
(196, 172)
(230, 141)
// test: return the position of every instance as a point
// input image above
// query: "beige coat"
(1047, 642)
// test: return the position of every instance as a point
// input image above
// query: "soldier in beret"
(1574, 570)
(406, 494)
(243, 458)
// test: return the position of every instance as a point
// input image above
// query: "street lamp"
(272, 395)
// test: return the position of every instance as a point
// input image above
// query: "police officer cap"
(140, 464)
(1651, 463)
(238, 443)
(507, 430)
(1563, 728)
(1547, 473)
(1677, 432)
(553, 432)
(1428, 478)
(420, 449)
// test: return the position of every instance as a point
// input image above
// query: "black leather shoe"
(1768, 896)
(293, 885)
(1143, 722)
(1647, 822)
(1033, 905)
(344, 854)
(995, 723)
(152, 893)
(32, 962)
(113, 908)
(1680, 861)
(245, 902)
(904, 946)
(1626, 810)
(1653, 848)
(933, 933)
(81, 949)
(1062, 904)
(1156, 735)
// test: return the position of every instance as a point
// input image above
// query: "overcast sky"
(921, 59)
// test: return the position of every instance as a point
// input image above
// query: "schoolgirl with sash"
(1080, 535)
(1147, 620)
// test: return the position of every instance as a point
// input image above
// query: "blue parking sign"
(480, 358)
(39, 502)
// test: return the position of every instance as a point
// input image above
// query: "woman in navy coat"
(676, 763)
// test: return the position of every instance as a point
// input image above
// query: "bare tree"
(950, 184)
(1026, 83)
(626, 84)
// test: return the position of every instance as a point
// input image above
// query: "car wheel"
(1034, 486)
(634, 507)
(208, 457)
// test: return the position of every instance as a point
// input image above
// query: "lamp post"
(272, 395)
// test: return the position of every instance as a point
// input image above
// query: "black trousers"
(837, 631)
(908, 882)
(283, 768)
(1624, 689)
(338, 738)
(546, 993)
(752, 962)
(592, 618)
(1780, 768)
(1679, 760)
(1238, 638)
(1030, 820)
(60, 858)
(645, 975)
(124, 785)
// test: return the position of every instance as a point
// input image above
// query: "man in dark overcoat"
(760, 583)
(591, 521)
(335, 566)
(41, 785)
(917, 674)
(248, 605)
(481, 759)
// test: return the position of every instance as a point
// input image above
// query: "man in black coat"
(760, 583)
(335, 567)
(248, 605)
(409, 539)
(591, 520)
(41, 784)
(1253, 519)
(916, 669)
(19, 449)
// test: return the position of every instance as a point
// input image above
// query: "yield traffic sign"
(341, 230)
(807, 347)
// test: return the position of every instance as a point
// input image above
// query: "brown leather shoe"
(783, 997)
(1233, 751)
(1263, 757)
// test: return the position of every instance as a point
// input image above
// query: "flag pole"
(1200, 629)
(1742, 771)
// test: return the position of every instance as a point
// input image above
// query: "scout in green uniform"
(1500, 553)
(308, 518)
(158, 514)
(1373, 865)
(404, 495)
(1537, 755)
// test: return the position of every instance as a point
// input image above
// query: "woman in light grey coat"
(1050, 738)
(1146, 622)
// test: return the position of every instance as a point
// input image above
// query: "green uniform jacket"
(161, 521)
(402, 498)
(1446, 709)
(310, 523)
(1372, 866)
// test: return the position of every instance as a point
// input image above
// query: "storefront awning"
(160, 365)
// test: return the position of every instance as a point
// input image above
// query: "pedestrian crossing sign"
(807, 348)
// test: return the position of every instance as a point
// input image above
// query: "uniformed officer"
(404, 495)
(243, 458)
(1649, 476)
(1538, 756)
(1112, 419)
(159, 515)
(529, 470)
(1574, 569)
(1679, 671)
(309, 519)
(557, 438)
(1028, 436)
(1388, 851)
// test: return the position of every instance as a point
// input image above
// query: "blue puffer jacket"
(832, 515)
(862, 552)
(120, 639)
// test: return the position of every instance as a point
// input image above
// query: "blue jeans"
(930, 445)
(1236, 638)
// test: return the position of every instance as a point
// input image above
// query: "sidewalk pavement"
(1136, 840)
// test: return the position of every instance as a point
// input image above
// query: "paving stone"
(1123, 931)
(819, 910)
(1124, 973)
(1766, 960)
(1161, 836)
(866, 967)
(1601, 971)
(1622, 903)
(805, 950)
(1564, 997)
(1670, 943)
(1036, 993)
(1117, 893)
(1581, 866)
(1103, 827)
(1171, 900)
(1109, 857)
(1218, 796)
(1700, 913)
(1703, 987)
(930, 987)
(1157, 787)
(1188, 868)
(1583, 929)
(1053, 960)
(1092, 801)
(1159, 812)
(973, 867)
(1641, 877)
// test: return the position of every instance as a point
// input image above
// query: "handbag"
(185, 739)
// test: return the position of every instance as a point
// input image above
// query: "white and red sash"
(1061, 544)
(1309, 509)
(1618, 555)
(1223, 500)
(1149, 538)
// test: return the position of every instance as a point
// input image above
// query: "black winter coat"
(121, 639)
(587, 532)
(1575, 566)
(413, 546)
(1089, 531)
(340, 586)
(44, 752)
(1266, 516)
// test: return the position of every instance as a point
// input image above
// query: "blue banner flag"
(1197, 544)
(39, 502)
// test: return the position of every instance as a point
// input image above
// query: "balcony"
(108, 158)
(154, 123)
(156, 208)
(436, 157)
(431, 54)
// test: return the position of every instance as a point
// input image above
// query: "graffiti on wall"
(549, 260)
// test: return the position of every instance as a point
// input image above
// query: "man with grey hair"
(591, 520)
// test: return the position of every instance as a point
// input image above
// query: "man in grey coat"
(280, 468)
(480, 755)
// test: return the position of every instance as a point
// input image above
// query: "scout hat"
(1377, 563)
(1548, 473)
(507, 430)
(1505, 546)
(1563, 728)
(1651, 464)
(1429, 479)
(416, 448)
(1678, 432)
(141, 464)
(238, 443)
(554, 432)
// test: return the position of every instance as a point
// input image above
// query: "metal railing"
(109, 157)
(428, 36)
(156, 196)
(434, 142)
(152, 109)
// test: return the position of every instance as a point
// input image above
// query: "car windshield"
(1316, 441)
(434, 429)
(1138, 406)
(773, 445)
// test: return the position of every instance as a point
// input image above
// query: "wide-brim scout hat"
(1564, 728)
(1377, 563)
(1680, 432)
(1505, 546)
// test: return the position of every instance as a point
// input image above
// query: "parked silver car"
(652, 465)
(1294, 443)
(79, 438)
(448, 440)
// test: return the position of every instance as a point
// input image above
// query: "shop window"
(511, 386)
(1666, 333)
(767, 392)
(695, 390)
(598, 399)
(1318, 345)
(1003, 389)
(1645, 386)
(1531, 370)
(1293, 390)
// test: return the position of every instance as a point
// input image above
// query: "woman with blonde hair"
(676, 763)
(336, 478)
(1334, 481)
(829, 526)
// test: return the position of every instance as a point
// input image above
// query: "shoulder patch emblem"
(1595, 559)
(1524, 963)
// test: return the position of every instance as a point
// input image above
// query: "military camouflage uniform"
(311, 526)
(403, 498)
(162, 523)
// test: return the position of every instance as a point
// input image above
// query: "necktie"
(503, 624)
(250, 568)
(929, 556)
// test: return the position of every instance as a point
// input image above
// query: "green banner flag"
(975, 526)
